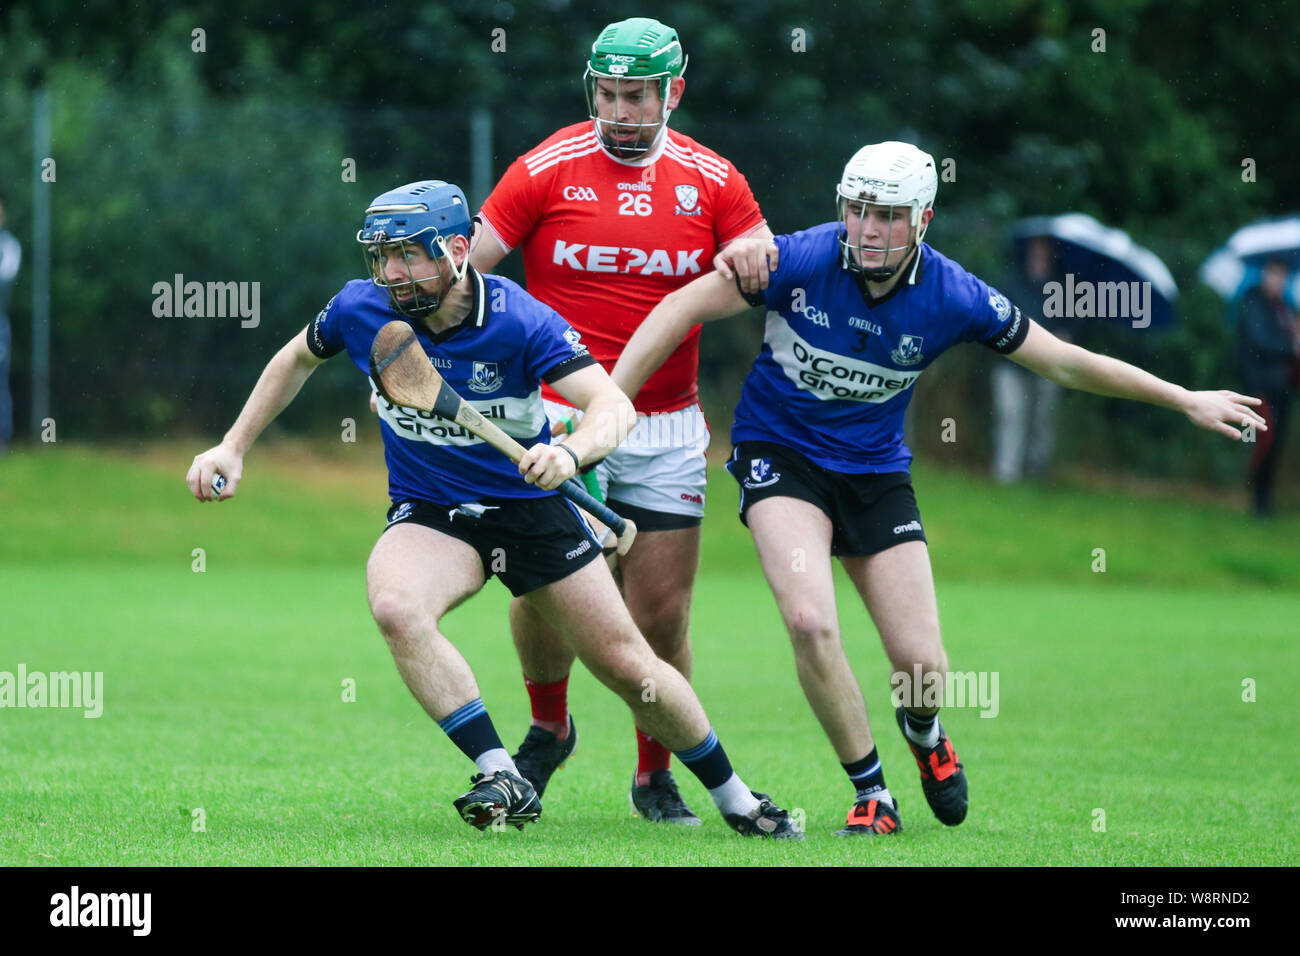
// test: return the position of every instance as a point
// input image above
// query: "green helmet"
(639, 49)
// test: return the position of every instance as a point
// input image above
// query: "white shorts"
(659, 469)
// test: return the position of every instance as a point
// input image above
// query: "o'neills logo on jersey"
(585, 258)
(829, 375)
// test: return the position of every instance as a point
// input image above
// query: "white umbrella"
(1235, 265)
(1096, 253)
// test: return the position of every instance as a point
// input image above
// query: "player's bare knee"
(396, 614)
(926, 657)
(812, 633)
(667, 636)
(620, 667)
(624, 672)
(661, 608)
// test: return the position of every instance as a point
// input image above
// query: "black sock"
(867, 776)
(708, 761)
(470, 728)
(920, 725)
(922, 731)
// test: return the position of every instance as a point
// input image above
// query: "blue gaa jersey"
(836, 370)
(495, 359)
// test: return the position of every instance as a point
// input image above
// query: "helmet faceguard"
(426, 214)
(898, 176)
(633, 57)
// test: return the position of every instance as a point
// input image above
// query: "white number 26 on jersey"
(630, 204)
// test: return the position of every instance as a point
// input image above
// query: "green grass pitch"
(223, 690)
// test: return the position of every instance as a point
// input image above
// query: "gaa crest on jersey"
(688, 197)
(761, 474)
(909, 350)
(1000, 305)
(485, 377)
(580, 194)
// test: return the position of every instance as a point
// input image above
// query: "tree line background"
(227, 165)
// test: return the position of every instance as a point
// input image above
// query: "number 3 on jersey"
(633, 204)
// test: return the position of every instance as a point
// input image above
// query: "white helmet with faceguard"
(897, 175)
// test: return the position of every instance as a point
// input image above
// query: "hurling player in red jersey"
(611, 215)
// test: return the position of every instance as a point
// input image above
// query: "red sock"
(651, 755)
(550, 703)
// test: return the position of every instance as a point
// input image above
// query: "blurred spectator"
(1267, 349)
(1024, 404)
(11, 255)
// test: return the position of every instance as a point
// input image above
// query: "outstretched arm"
(707, 298)
(1075, 367)
(275, 389)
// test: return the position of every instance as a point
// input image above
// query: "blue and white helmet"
(887, 174)
(428, 212)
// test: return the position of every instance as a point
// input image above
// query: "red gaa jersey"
(583, 217)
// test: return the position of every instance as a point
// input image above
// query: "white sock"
(495, 759)
(880, 793)
(928, 741)
(734, 797)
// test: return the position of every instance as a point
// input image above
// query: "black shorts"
(868, 513)
(527, 542)
(647, 520)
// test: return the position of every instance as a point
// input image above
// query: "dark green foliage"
(226, 165)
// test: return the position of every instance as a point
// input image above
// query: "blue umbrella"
(1236, 266)
(1093, 257)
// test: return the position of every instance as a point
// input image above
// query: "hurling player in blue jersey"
(856, 311)
(462, 512)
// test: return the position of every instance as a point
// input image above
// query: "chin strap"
(645, 157)
(911, 279)
(886, 273)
